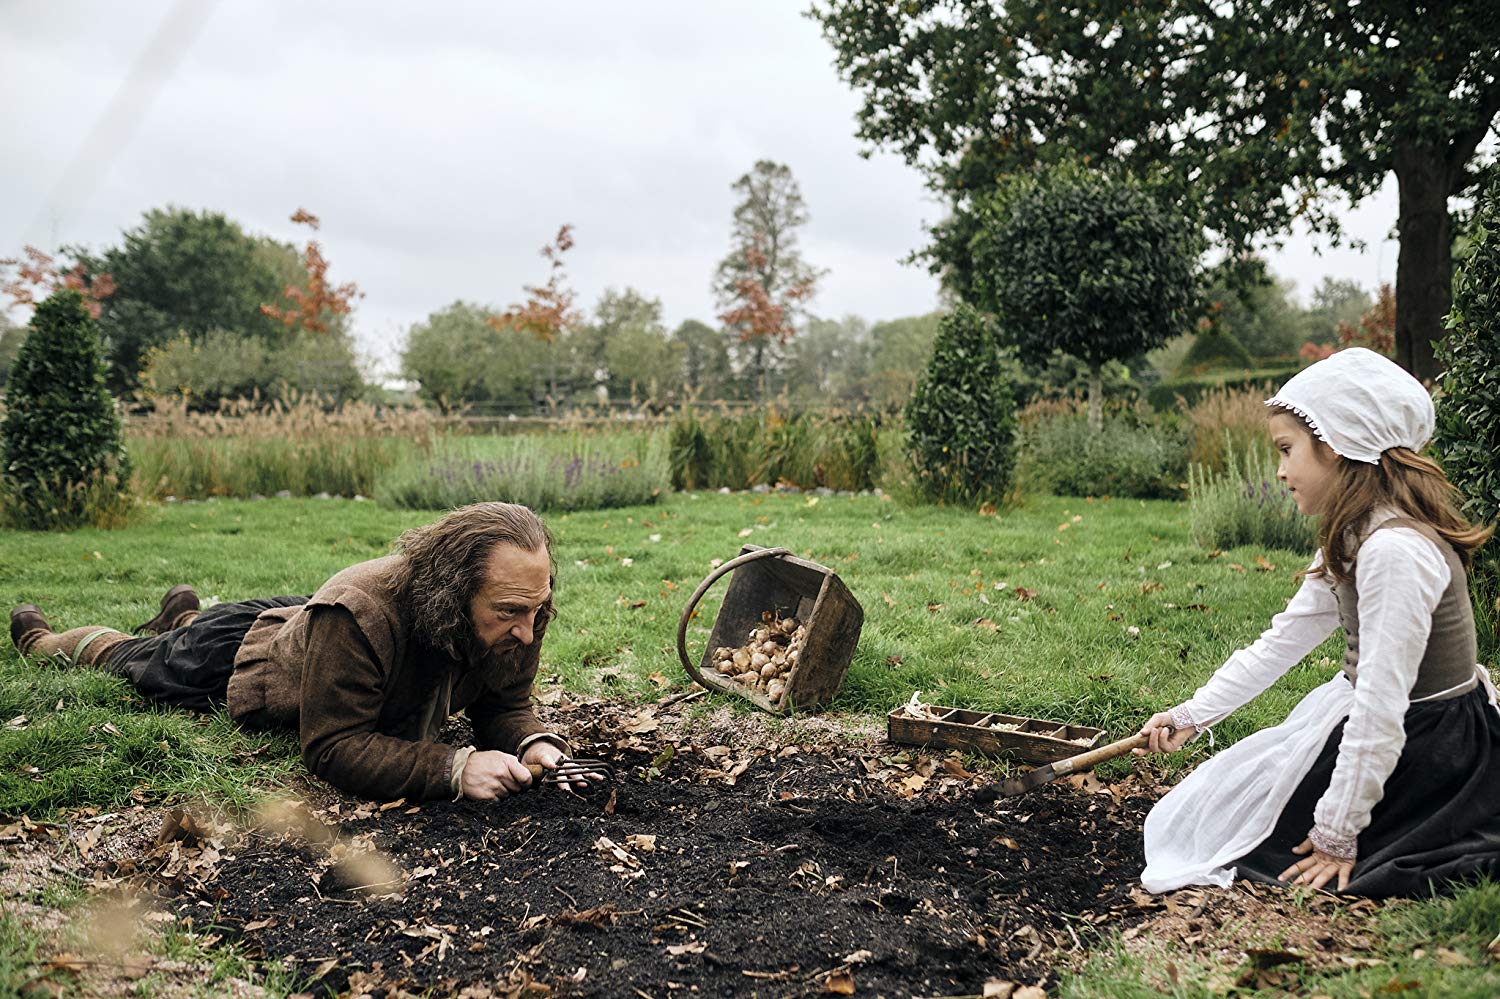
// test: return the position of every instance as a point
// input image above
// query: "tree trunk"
(1424, 268)
(1096, 398)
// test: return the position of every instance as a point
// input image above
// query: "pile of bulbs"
(765, 663)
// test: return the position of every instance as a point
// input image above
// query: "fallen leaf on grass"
(1262, 564)
(986, 624)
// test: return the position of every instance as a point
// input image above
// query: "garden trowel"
(1042, 775)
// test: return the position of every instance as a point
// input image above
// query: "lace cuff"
(1181, 718)
(1334, 846)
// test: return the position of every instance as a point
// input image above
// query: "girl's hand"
(1164, 738)
(1318, 869)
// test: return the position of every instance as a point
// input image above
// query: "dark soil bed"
(802, 876)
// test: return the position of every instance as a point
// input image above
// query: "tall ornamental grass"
(1228, 421)
(573, 471)
(1245, 505)
(772, 445)
(1133, 455)
(296, 444)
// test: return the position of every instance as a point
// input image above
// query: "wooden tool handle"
(535, 769)
(1094, 757)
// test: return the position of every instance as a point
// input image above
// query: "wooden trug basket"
(773, 579)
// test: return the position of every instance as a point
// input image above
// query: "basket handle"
(702, 679)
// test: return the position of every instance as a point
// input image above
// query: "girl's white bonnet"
(1360, 404)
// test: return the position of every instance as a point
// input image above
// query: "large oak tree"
(1266, 113)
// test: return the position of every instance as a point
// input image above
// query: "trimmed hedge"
(1163, 395)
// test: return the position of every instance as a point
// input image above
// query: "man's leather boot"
(179, 606)
(25, 619)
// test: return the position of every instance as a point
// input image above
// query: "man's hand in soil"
(493, 774)
(548, 755)
(1164, 738)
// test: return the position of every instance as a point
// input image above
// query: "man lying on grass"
(368, 669)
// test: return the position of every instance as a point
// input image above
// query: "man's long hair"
(443, 566)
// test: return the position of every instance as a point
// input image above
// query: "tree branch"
(1465, 144)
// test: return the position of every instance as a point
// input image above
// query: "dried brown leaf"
(840, 982)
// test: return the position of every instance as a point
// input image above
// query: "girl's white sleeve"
(1309, 618)
(1401, 577)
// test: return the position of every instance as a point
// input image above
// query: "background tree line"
(186, 317)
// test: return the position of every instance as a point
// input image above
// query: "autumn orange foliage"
(1376, 330)
(37, 276)
(1377, 327)
(319, 299)
(754, 315)
(549, 308)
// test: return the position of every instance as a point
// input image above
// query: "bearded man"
(368, 669)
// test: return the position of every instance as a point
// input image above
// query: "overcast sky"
(443, 144)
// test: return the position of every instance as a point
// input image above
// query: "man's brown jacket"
(367, 698)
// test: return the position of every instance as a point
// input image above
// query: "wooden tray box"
(1034, 740)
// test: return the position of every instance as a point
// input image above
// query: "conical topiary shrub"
(1214, 349)
(62, 451)
(961, 421)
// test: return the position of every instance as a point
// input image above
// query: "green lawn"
(935, 621)
(1098, 612)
